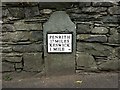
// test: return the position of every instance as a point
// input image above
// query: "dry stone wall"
(98, 35)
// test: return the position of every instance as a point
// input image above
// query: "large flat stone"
(36, 36)
(33, 62)
(95, 49)
(28, 48)
(59, 64)
(110, 65)
(102, 4)
(12, 59)
(92, 38)
(17, 12)
(85, 61)
(114, 37)
(21, 25)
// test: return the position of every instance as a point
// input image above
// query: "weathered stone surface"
(33, 61)
(18, 65)
(110, 19)
(8, 27)
(16, 12)
(110, 65)
(95, 49)
(21, 25)
(104, 4)
(6, 49)
(13, 59)
(46, 11)
(100, 30)
(5, 12)
(16, 36)
(74, 10)
(36, 36)
(83, 28)
(114, 37)
(59, 64)
(55, 5)
(92, 38)
(93, 9)
(31, 11)
(114, 10)
(84, 4)
(6, 66)
(85, 61)
(85, 17)
(28, 48)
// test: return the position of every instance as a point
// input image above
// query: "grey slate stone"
(6, 66)
(8, 27)
(13, 59)
(31, 11)
(95, 49)
(33, 62)
(114, 37)
(110, 65)
(85, 61)
(93, 9)
(59, 64)
(16, 12)
(83, 28)
(114, 10)
(36, 36)
(110, 19)
(102, 4)
(99, 30)
(21, 25)
(92, 38)
(28, 48)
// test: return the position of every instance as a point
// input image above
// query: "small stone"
(46, 11)
(92, 38)
(100, 30)
(18, 65)
(33, 61)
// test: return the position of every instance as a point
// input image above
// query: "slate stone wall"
(98, 31)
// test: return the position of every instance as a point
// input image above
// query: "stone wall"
(98, 32)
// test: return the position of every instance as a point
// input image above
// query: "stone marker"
(59, 44)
